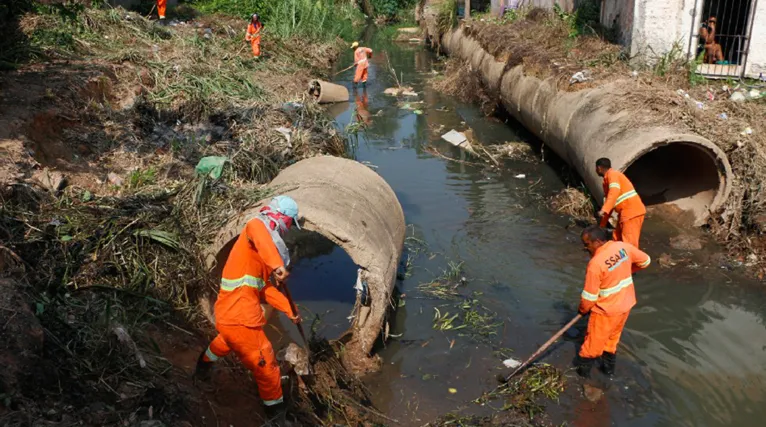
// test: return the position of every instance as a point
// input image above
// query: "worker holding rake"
(608, 297)
(361, 56)
(253, 34)
(258, 252)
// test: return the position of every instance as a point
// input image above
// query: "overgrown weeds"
(447, 284)
(523, 394)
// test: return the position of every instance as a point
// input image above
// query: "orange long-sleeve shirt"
(360, 56)
(621, 196)
(609, 286)
(245, 279)
(253, 31)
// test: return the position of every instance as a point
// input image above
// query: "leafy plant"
(142, 177)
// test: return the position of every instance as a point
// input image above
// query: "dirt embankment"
(550, 44)
(102, 217)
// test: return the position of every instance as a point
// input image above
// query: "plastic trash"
(455, 138)
(211, 166)
(287, 133)
(747, 131)
(511, 363)
(738, 97)
(723, 116)
(418, 112)
(580, 77)
(520, 176)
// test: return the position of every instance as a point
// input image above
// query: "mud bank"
(667, 164)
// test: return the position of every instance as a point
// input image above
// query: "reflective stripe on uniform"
(618, 263)
(246, 280)
(645, 263)
(589, 296)
(625, 196)
(273, 402)
(210, 355)
(614, 185)
(624, 283)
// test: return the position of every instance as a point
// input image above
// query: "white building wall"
(619, 14)
(659, 25)
(756, 59)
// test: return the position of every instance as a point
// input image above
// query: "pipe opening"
(682, 174)
(322, 278)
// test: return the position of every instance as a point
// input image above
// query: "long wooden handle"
(295, 310)
(346, 69)
(545, 346)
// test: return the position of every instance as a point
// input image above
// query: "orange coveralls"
(609, 295)
(161, 7)
(622, 197)
(253, 35)
(239, 317)
(360, 59)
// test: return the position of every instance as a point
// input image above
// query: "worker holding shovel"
(361, 55)
(258, 253)
(608, 296)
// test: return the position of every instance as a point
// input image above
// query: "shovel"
(299, 325)
(544, 346)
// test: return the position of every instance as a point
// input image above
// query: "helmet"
(286, 206)
(354, 45)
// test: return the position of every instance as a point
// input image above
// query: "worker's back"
(628, 203)
(246, 272)
(611, 270)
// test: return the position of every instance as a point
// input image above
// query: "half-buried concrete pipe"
(666, 164)
(326, 92)
(355, 208)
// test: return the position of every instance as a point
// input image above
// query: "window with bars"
(721, 36)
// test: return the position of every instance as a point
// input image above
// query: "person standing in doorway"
(258, 253)
(608, 297)
(361, 56)
(253, 34)
(620, 196)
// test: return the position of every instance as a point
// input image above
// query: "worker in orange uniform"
(161, 8)
(608, 296)
(619, 195)
(253, 34)
(258, 253)
(361, 55)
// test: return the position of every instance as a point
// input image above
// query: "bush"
(318, 19)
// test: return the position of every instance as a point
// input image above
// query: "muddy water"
(693, 353)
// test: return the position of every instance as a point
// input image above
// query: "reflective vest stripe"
(625, 196)
(589, 296)
(210, 355)
(614, 185)
(645, 263)
(617, 288)
(246, 280)
(273, 402)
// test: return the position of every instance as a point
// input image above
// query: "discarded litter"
(700, 105)
(418, 112)
(455, 138)
(738, 97)
(723, 116)
(580, 77)
(747, 131)
(287, 133)
(452, 390)
(520, 176)
(511, 363)
(211, 166)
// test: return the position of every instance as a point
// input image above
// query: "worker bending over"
(258, 253)
(608, 296)
(619, 195)
(253, 34)
(361, 55)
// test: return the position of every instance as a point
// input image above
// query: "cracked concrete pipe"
(326, 92)
(666, 164)
(355, 208)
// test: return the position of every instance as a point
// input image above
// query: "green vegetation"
(394, 9)
(317, 19)
(445, 286)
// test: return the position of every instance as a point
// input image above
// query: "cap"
(286, 206)
(254, 16)
(354, 45)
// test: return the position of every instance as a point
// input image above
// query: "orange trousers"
(255, 351)
(255, 42)
(629, 231)
(361, 74)
(603, 334)
(161, 7)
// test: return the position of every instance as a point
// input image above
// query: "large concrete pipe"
(355, 208)
(326, 92)
(666, 164)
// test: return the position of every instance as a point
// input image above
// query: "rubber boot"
(608, 362)
(203, 370)
(276, 415)
(584, 365)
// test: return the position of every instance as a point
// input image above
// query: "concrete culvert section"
(354, 208)
(668, 165)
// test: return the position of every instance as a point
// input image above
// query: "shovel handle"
(545, 346)
(295, 310)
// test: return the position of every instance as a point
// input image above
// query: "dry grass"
(547, 46)
(573, 202)
(465, 84)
